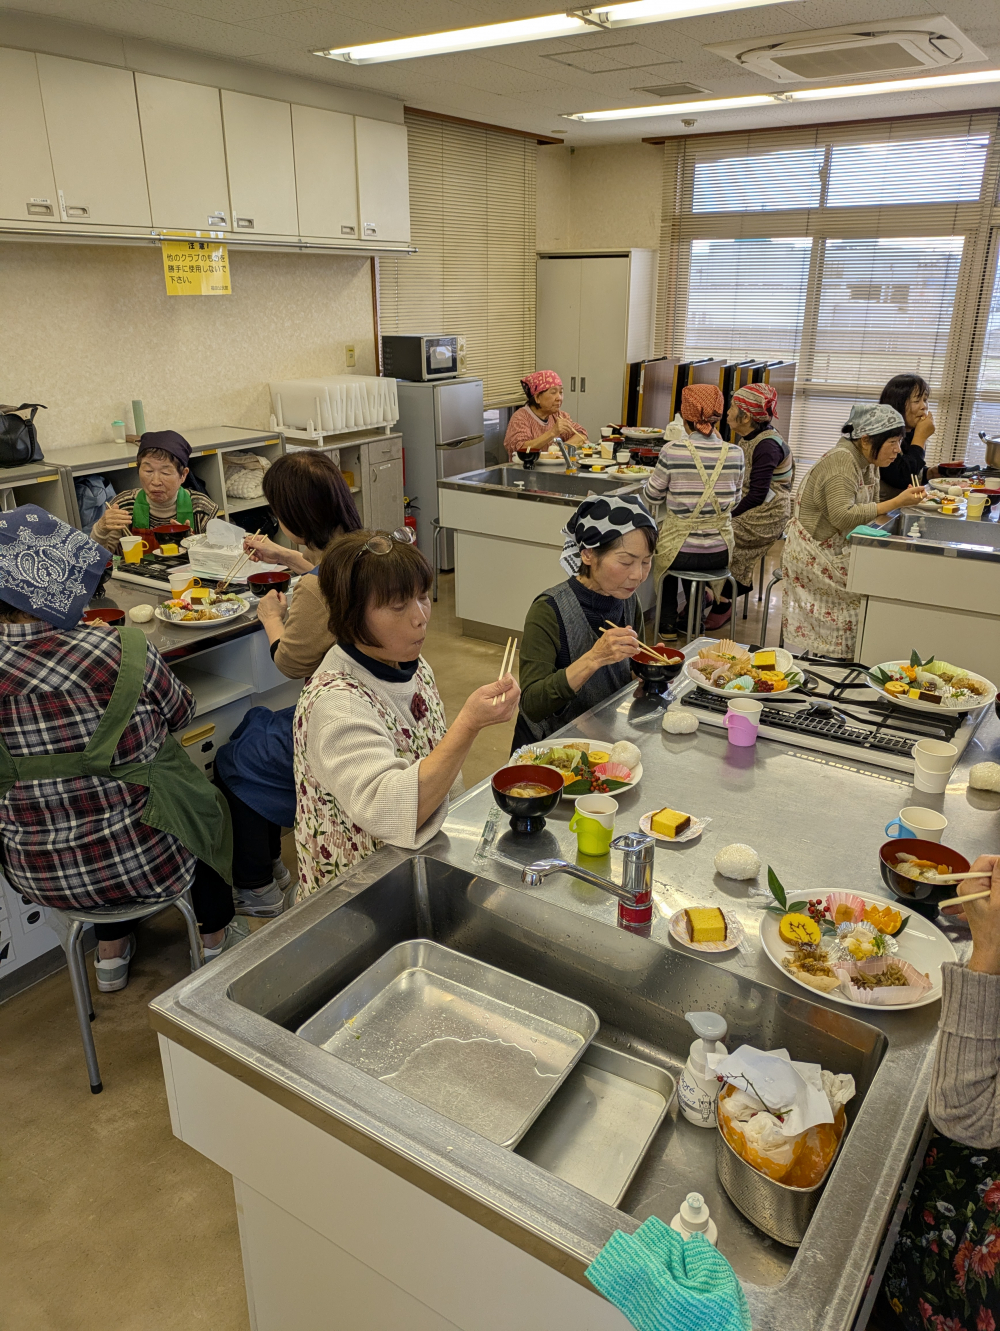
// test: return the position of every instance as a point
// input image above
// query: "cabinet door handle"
(348, 230)
(369, 229)
(216, 219)
(40, 208)
(374, 475)
(244, 223)
(77, 210)
(583, 384)
(572, 384)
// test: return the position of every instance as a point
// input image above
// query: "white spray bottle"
(698, 1088)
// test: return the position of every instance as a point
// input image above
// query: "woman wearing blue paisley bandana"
(86, 715)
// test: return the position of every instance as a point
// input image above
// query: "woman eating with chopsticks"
(375, 762)
(579, 636)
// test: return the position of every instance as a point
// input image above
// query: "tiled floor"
(107, 1223)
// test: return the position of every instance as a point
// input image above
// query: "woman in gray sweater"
(945, 1271)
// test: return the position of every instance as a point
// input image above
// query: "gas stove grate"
(873, 737)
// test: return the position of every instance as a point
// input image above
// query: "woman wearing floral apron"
(375, 762)
(761, 516)
(840, 493)
(944, 1273)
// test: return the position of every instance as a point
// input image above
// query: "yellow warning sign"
(196, 267)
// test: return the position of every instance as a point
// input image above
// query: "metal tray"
(596, 1131)
(480, 1046)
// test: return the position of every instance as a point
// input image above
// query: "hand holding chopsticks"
(983, 921)
(506, 664)
(244, 557)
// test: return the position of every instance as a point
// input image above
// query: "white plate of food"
(729, 670)
(694, 828)
(679, 925)
(202, 614)
(921, 944)
(631, 469)
(957, 690)
(565, 755)
(642, 432)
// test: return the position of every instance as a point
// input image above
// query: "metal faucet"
(565, 452)
(635, 896)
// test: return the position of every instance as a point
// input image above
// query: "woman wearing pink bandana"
(539, 421)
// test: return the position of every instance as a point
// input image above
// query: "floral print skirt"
(818, 613)
(944, 1273)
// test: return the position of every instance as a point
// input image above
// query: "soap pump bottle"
(698, 1088)
(693, 1218)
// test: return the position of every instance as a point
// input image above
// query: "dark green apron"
(184, 511)
(181, 801)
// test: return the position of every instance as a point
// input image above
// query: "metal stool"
(71, 939)
(760, 587)
(767, 610)
(694, 602)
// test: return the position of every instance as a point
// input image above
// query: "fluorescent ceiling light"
(798, 95)
(571, 24)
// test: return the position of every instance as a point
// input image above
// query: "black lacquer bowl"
(527, 816)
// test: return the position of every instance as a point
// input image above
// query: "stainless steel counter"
(818, 822)
(171, 641)
(953, 538)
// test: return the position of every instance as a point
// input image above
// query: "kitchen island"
(366, 1202)
(508, 525)
(931, 584)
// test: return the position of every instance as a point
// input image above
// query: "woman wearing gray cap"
(840, 493)
(164, 461)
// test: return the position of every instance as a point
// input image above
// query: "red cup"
(277, 580)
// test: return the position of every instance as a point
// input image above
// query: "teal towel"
(864, 530)
(662, 1283)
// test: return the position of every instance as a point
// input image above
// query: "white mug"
(934, 755)
(602, 808)
(623, 456)
(916, 821)
(992, 482)
(180, 577)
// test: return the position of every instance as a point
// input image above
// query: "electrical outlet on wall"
(349, 354)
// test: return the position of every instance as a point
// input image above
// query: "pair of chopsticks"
(914, 480)
(505, 665)
(958, 878)
(242, 558)
(656, 650)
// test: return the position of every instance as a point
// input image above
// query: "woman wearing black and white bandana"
(567, 664)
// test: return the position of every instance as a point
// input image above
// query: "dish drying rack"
(344, 404)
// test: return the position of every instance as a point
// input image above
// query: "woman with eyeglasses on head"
(375, 761)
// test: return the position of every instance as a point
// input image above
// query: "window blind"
(472, 217)
(986, 402)
(856, 250)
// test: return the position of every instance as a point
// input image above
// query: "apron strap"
(121, 707)
(140, 511)
(185, 508)
(708, 494)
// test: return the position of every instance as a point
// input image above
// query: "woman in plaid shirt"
(79, 840)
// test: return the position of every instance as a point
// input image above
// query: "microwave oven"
(422, 356)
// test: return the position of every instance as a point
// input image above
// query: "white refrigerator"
(442, 429)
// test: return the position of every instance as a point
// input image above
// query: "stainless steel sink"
(253, 1001)
(950, 530)
(515, 480)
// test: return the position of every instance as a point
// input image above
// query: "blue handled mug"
(917, 821)
(898, 830)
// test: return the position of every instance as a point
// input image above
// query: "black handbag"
(18, 437)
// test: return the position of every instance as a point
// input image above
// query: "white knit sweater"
(353, 757)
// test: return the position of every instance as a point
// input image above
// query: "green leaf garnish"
(578, 787)
(906, 921)
(777, 891)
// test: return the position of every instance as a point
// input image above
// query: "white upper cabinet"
(325, 173)
(383, 180)
(94, 141)
(185, 154)
(261, 164)
(27, 185)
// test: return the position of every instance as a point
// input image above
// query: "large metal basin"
(515, 480)
(640, 991)
(946, 530)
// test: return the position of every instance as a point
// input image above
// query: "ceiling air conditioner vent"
(892, 46)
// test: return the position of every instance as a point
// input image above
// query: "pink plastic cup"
(742, 720)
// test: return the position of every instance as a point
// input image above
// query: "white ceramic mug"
(992, 482)
(916, 821)
(623, 456)
(934, 755)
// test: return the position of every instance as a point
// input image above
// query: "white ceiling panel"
(529, 86)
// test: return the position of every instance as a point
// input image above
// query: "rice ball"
(985, 776)
(141, 614)
(624, 752)
(679, 722)
(737, 861)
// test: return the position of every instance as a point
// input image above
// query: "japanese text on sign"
(196, 268)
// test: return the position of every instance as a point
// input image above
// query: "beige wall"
(89, 327)
(599, 198)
